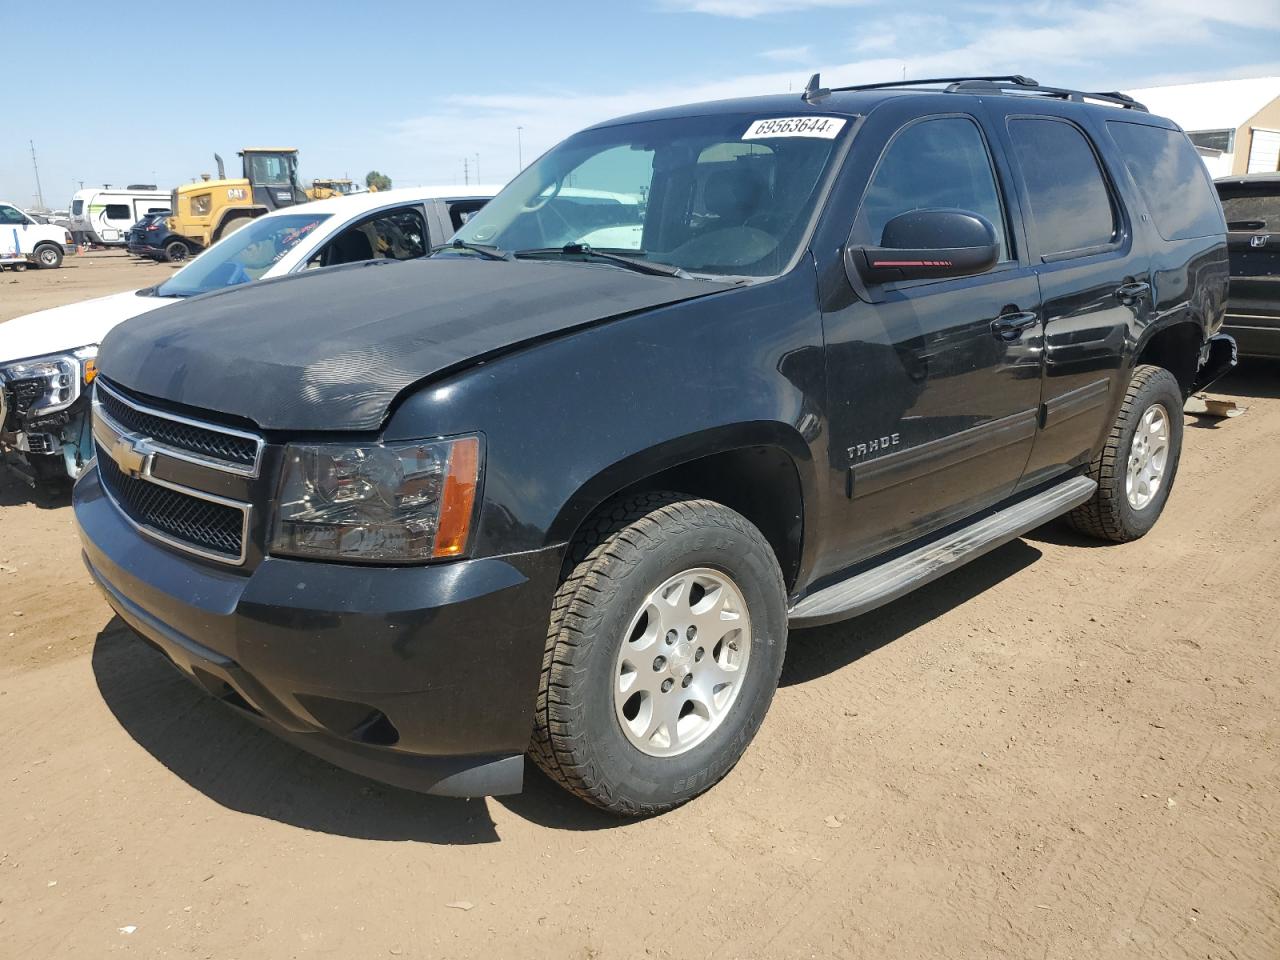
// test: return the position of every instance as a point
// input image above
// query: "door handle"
(1129, 292)
(1009, 326)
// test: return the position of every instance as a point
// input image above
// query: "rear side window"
(936, 164)
(1070, 202)
(1172, 178)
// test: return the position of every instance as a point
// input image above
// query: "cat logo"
(235, 193)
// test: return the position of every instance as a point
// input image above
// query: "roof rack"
(1012, 83)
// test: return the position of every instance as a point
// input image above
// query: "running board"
(889, 581)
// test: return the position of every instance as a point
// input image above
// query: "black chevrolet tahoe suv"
(694, 377)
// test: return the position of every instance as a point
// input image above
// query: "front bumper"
(424, 677)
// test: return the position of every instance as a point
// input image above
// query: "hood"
(75, 325)
(331, 349)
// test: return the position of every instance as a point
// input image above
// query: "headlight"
(45, 385)
(392, 503)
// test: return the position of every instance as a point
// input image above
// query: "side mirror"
(929, 244)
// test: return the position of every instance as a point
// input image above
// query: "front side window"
(399, 234)
(1069, 199)
(719, 195)
(940, 163)
(11, 215)
(242, 256)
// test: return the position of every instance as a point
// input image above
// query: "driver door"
(933, 397)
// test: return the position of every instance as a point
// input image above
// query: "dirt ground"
(93, 274)
(1063, 750)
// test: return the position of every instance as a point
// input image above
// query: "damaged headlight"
(382, 503)
(47, 384)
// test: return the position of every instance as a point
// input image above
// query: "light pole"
(477, 168)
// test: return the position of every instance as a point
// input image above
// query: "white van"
(103, 216)
(24, 239)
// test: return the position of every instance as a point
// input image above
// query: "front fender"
(571, 421)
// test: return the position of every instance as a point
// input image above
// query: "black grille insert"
(203, 441)
(207, 526)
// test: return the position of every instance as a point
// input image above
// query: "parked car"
(161, 244)
(103, 216)
(150, 224)
(25, 240)
(409, 515)
(1252, 207)
(47, 359)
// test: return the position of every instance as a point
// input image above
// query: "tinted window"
(1069, 199)
(1172, 179)
(11, 215)
(77, 207)
(1251, 207)
(930, 165)
(118, 211)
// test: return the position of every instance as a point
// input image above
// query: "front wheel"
(663, 654)
(1138, 463)
(48, 256)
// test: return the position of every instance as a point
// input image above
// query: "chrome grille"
(213, 527)
(132, 439)
(183, 438)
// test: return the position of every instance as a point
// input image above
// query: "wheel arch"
(762, 470)
(1176, 346)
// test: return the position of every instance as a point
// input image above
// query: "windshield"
(245, 255)
(718, 195)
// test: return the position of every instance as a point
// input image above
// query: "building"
(1235, 123)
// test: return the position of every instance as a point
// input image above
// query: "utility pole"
(477, 168)
(466, 176)
(36, 167)
(519, 150)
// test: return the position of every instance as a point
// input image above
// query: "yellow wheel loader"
(206, 211)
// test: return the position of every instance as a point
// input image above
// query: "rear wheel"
(663, 654)
(48, 256)
(232, 224)
(1138, 463)
(175, 251)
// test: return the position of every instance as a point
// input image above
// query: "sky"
(128, 92)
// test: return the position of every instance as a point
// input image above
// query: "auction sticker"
(822, 128)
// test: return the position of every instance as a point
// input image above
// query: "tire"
(232, 224)
(1112, 513)
(601, 623)
(48, 256)
(175, 251)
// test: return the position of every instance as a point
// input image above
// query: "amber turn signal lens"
(90, 370)
(458, 499)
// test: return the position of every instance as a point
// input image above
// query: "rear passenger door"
(1095, 283)
(933, 396)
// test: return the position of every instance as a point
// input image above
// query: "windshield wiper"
(488, 251)
(630, 261)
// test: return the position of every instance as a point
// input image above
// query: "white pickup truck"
(24, 240)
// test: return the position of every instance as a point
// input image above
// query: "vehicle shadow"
(15, 491)
(817, 651)
(246, 769)
(1252, 377)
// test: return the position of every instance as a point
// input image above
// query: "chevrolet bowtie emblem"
(131, 453)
